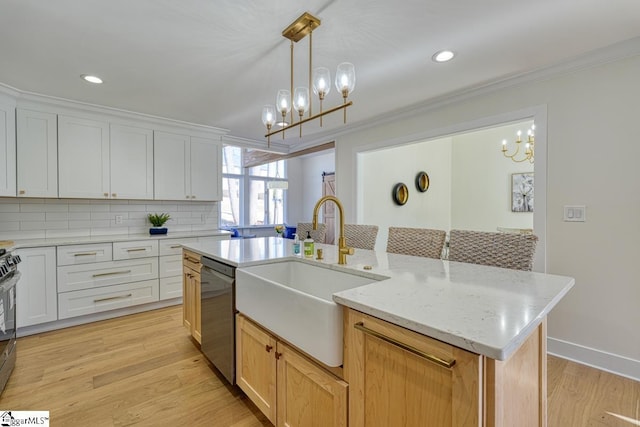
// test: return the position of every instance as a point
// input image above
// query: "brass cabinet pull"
(431, 358)
(136, 250)
(86, 254)
(112, 273)
(106, 194)
(114, 195)
(111, 298)
(22, 192)
(268, 348)
(190, 259)
(175, 246)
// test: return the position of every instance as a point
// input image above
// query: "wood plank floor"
(144, 370)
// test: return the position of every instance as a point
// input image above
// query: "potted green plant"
(158, 220)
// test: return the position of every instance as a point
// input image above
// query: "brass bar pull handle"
(86, 254)
(112, 298)
(175, 246)
(136, 250)
(431, 358)
(195, 260)
(112, 273)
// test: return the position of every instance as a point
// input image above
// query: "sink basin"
(293, 300)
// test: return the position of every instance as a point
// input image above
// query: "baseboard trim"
(604, 361)
(81, 320)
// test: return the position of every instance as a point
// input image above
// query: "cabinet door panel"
(131, 155)
(206, 169)
(307, 395)
(37, 151)
(256, 366)
(36, 294)
(83, 158)
(7, 150)
(171, 166)
(379, 371)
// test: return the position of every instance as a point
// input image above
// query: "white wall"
(379, 172)
(305, 184)
(592, 154)
(470, 183)
(25, 218)
(481, 180)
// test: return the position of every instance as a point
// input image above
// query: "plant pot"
(158, 230)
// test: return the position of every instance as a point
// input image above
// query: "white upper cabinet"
(102, 161)
(186, 168)
(206, 169)
(83, 158)
(131, 169)
(37, 148)
(7, 150)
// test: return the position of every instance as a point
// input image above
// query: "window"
(247, 200)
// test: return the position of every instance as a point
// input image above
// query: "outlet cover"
(118, 219)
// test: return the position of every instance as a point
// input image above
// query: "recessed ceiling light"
(91, 79)
(443, 56)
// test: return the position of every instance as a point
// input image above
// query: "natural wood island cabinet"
(191, 313)
(289, 388)
(393, 382)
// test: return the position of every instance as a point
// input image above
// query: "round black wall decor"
(422, 182)
(400, 193)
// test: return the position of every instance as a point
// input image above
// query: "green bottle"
(308, 246)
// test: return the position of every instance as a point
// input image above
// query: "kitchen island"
(496, 317)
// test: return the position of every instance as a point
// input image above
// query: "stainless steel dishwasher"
(218, 316)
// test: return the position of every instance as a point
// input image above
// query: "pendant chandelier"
(319, 82)
(529, 146)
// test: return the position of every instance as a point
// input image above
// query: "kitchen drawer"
(88, 301)
(135, 249)
(191, 260)
(170, 266)
(170, 287)
(87, 276)
(84, 254)
(174, 246)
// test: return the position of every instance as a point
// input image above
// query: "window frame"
(244, 203)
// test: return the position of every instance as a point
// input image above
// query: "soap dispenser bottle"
(296, 244)
(308, 246)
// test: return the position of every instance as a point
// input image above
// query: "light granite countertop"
(486, 310)
(78, 240)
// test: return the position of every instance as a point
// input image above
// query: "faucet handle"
(347, 250)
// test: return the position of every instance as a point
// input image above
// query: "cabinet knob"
(193, 197)
(106, 194)
(187, 196)
(22, 192)
(114, 195)
(268, 348)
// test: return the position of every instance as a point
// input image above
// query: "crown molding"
(276, 147)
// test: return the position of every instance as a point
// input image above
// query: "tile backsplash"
(24, 218)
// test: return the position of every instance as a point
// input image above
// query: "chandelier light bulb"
(283, 101)
(321, 79)
(301, 100)
(346, 79)
(268, 115)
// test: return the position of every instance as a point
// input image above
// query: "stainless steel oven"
(9, 276)
(218, 316)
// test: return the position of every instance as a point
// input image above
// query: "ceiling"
(218, 62)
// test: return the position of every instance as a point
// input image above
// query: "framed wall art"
(522, 192)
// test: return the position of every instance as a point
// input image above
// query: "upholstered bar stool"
(507, 250)
(423, 242)
(361, 236)
(316, 235)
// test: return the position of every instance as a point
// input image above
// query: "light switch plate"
(575, 213)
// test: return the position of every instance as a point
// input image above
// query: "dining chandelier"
(319, 82)
(529, 147)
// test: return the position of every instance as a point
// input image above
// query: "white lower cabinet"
(88, 301)
(36, 292)
(108, 273)
(170, 287)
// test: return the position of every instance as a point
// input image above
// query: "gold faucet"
(343, 249)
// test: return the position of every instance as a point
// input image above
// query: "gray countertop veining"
(486, 310)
